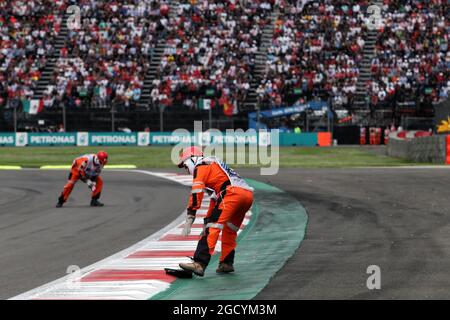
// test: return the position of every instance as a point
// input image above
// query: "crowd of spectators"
(212, 44)
(315, 52)
(105, 59)
(28, 29)
(412, 60)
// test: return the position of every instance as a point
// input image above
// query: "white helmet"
(190, 158)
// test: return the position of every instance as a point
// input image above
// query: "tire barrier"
(432, 149)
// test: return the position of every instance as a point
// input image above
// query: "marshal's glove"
(91, 184)
(190, 218)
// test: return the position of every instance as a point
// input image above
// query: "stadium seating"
(212, 44)
(27, 32)
(315, 53)
(412, 60)
(211, 48)
(106, 59)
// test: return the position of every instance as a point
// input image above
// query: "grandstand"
(142, 62)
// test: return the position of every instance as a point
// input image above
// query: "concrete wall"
(425, 149)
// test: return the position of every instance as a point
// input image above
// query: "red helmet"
(102, 157)
(188, 153)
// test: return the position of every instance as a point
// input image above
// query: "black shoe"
(194, 267)
(96, 203)
(59, 204)
(225, 268)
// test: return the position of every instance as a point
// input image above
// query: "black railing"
(103, 119)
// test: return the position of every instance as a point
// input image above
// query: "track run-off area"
(394, 218)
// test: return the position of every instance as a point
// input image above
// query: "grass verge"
(159, 157)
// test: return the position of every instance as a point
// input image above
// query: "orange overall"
(83, 169)
(225, 213)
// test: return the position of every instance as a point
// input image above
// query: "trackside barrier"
(447, 149)
(362, 136)
(433, 149)
(82, 139)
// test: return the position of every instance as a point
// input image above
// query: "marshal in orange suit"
(86, 168)
(232, 198)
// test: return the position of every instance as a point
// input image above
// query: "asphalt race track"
(38, 241)
(397, 219)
